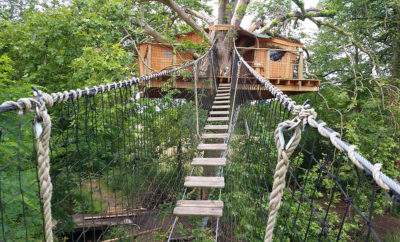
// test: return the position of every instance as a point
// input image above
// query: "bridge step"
(220, 106)
(216, 127)
(223, 90)
(221, 146)
(217, 119)
(214, 136)
(223, 98)
(211, 208)
(205, 181)
(223, 95)
(209, 162)
(224, 85)
(222, 102)
(219, 113)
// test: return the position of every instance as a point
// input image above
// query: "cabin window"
(276, 55)
(167, 54)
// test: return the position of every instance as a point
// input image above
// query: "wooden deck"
(290, 87)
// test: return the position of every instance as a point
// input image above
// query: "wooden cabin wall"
(143, 49)
(192, 37)
(281, 69)
(158, 57)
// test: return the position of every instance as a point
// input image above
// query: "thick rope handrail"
(373, 169)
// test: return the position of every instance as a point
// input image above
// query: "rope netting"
(321, 195)
(119, 156)
(118, 159)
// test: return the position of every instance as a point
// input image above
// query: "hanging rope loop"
(42, 128)
(285, 150)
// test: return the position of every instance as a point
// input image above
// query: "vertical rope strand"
(42, 127)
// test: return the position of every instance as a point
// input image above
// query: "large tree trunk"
(224, 47)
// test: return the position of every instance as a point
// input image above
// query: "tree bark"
(185, 17)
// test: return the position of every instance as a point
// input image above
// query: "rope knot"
(304, 113)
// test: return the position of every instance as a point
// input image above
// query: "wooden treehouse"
(278, 59)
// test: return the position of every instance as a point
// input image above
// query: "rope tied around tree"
(42, 128)
(285, 150)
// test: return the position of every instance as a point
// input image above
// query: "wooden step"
(211, 208)
(214, 136)
(220, 146)
(217, 119)
(216, 127)
(219, 112)
(224, 85)
(223, 98)
(220, 106)
(222, 102)
(209, 162)
(223, 90)
(222, 94)
(205, 181)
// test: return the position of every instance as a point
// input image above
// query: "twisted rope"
(285, 150)
(356, 158)
(42, 127)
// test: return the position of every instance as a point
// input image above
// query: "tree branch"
(185, 17)
(152, 32)
(240, 11)
(222, 11)
(202, 16)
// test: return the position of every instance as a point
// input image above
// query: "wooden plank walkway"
(208, 161)
(199, 208)
(219, 113)
(214, 135)
(205, 181)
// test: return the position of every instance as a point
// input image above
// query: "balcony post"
(267, 64)
(300, 67)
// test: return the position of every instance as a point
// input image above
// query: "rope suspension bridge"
(109, 163)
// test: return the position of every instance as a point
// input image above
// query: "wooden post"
(267, 65)
(148, 60)
(300, 67)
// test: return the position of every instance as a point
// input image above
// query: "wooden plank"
(224, 85)
(200, 203)
(221, 146)
(217, 119)
(313, 85)
(205, 181)
(219, 112)
(208, 162)
(221, 27)
(212, 208)
(222, 94)
(223, 98)
(214, 136)
(222, 102)
(216, 127)
(221, 106)
(223, 90)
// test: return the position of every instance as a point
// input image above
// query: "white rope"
(285, 150)
(195, 70)
(356, 158)
(42, 133)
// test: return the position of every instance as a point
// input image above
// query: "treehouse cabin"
(156, 57)
(277, 59)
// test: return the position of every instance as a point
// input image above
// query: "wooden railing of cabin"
(289, 67)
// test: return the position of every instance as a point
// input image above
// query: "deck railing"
(286, 64)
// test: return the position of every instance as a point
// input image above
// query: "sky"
(306, 26)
